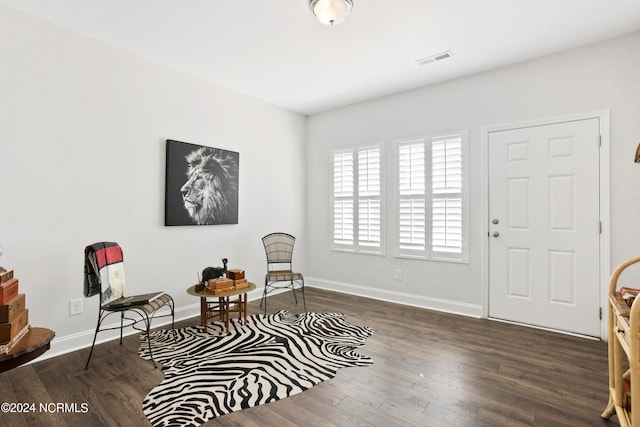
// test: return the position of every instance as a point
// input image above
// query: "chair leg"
(171, 305)
(293, 287)
(121, 325)
(264, 297)
(148, 325)
(304, 300)
(173, 320)
(86, 366)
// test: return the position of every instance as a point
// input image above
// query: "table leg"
(203, 313)
(226, 312)
(221, 308)
(243, 298)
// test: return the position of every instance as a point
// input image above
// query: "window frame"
(358, 245)
(428, 252)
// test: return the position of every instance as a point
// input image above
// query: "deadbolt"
(495, 220)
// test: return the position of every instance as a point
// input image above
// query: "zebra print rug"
(208, 374)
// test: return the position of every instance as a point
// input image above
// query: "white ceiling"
(276, 51)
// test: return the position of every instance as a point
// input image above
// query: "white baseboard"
(447, 306)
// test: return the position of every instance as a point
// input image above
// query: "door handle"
(496, 234)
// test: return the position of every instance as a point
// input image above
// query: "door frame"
(605, 238)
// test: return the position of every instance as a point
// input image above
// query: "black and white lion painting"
(209, 191)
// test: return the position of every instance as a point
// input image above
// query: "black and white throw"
(208, 374)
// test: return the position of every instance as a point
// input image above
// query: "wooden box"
(8, 290)
(221, 285)
(235, 274)
(220, 291)
(11, 329)
(12, 309)
(240, 284)
(6, 275)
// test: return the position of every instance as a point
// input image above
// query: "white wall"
(598, 77)
(82, 131)
(82, 158)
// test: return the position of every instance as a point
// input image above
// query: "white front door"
(544, 229)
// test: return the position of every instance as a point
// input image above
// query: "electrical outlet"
(398, 274)
(75, 307)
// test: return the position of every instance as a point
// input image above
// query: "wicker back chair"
(280, 275)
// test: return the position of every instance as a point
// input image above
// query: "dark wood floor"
(431, 369)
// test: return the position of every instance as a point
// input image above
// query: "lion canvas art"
(201, 185)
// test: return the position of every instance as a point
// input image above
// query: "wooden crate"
(219, 283)
(235, 274)
(6, 275)
(9, 330)
(12, 309)
(8, 290)
(241, 284)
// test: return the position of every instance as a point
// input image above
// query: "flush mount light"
(331, 12)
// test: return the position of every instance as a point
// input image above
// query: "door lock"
(496, 234)
(495, 221)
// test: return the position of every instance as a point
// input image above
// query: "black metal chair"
(104, 263)
(279, 250)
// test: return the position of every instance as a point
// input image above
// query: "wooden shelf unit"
(624, 342)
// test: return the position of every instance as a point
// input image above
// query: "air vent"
(434, 58)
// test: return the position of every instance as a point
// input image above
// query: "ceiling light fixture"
(331, 12)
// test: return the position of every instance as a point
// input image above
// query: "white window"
(357, 202)
(343, 194)
(432, 202)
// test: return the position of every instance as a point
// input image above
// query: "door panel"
(544, 230)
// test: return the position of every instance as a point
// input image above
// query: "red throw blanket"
(104, 271)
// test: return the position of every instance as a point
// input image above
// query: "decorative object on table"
(637, 156)
(19, 343)
(104, 276)
(201, 185)
(8, 286)
(235, 274)
(629, 294)
(219, 286)
(268, 359)
(278, 248)
(14, 316)
(209, 273)
(240, 284)
(12, 309)
(6, 275)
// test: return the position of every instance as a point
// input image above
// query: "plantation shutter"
(412, 204)
(446, 187)
(369, 197)
(357, 199)
(343, 203)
